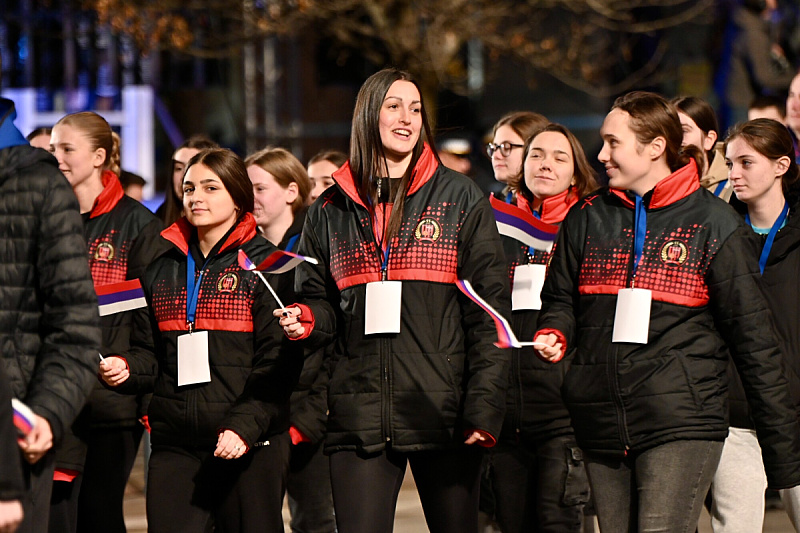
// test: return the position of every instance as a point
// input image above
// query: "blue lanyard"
(640, 227)
(720, 187)
(292, 242)
(762, 261)
(385, 263)
(192, 288)
(509, 197)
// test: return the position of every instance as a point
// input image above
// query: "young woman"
(121, 239)
(699, 124)
(649, 283)
(281, 188)
(765, 178)
(219, 367)
(172, 208)
(505, 150)
(415, 376)
(537, 472)
(320, 171)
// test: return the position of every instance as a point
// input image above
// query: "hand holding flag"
(505, 335)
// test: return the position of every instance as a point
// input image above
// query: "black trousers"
(191, 491)
(365, 489)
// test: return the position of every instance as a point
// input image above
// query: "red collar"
(423, 171)
(109, 197)
(554, 208)
(181, 232)
(674, 187)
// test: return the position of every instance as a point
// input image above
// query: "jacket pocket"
(576, 482)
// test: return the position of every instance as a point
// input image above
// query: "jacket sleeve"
(277, 363)
(12, 486)
(481, 261)
(69, 328)
(745, 323)
(310, 413)
(560, 290)
(316, 287)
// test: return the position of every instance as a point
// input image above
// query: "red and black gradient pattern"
(431, 255)
(228, 310)
(108, 258)
(678, 278)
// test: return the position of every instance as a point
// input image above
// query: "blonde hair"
(100, 135)
(286, 169)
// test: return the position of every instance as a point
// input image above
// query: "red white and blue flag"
(119, 297)
(519, 224)
(23, 417)
(277, 262)
(505, 335)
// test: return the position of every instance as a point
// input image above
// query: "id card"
(193, 365)
(528, 281)
(382, 313)
(632, 317)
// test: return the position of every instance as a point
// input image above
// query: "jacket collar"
(109, 197)
(674, 187)
(181, 232)
(295, 229)
(423, 171)
(553, 209)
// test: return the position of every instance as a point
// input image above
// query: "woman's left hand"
(230, 445)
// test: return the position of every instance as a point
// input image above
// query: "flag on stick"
(24, 420)
(519, 224)
(119, 297)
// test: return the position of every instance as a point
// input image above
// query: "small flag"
(505, 335)
(119, 297)
(277, 262)
(519, 224)
(23, 417)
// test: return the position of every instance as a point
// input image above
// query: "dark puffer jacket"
(49, 328)
(441, 375)
(700, 262)
(254, 367)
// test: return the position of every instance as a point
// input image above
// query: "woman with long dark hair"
(415, 377)
(652, 284)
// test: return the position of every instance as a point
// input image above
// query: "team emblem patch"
(104, 252)
(428, 230)
(674, 253)
(228, 282)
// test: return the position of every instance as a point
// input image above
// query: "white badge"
(528, 281)
(382, 313)
(193, 365)
(632, 318)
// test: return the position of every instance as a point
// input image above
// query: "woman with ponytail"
(415, 376)
(652, 282)
(121, 239)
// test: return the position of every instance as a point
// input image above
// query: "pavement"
(408, 517)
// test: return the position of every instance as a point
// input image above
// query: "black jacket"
(441, 375)
(12, 484)
(253, 366)
(700, 262)
(535, 411)
(49, 328)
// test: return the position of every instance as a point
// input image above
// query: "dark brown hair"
(771, 139)
(367, 156)
(652, 116)
(230, 169)
(332, 156)
(41, 130)
(286, 169)
(524, 123)
(99, 133)
(173, 205)
(583, 173)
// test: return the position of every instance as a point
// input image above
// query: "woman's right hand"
(114, 370)
(552, 349)
(289, 320)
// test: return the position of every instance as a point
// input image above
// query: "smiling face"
(507, 167)
(550, 166)
(753, 175)
(77, 160)
(206, 202)
(400, 122)
(179, 161)
(320, 174)
(628, 163)
(272, 202)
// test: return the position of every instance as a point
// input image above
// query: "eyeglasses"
(505, 148)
